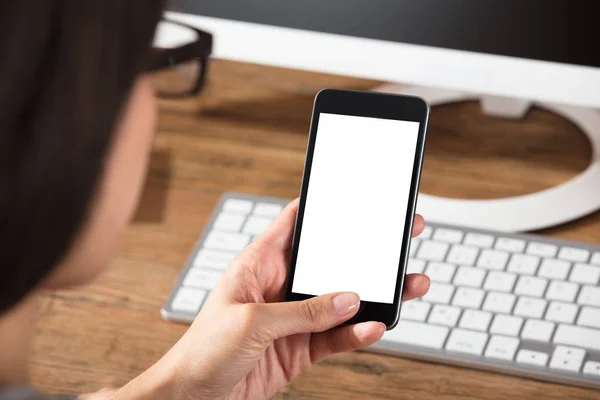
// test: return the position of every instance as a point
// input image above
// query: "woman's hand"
(245, 344)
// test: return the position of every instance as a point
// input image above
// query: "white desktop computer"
(510, 54)
(526, 305)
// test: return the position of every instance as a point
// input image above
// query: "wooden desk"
(248, 133)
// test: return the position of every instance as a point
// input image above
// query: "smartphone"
(358, 199)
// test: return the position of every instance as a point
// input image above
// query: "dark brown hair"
(66, 69)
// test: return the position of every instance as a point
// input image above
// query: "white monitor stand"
(570, 200)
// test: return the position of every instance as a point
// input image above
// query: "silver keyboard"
(519, 304)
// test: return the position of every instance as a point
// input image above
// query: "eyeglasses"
(179, 59)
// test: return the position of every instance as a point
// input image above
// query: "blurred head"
(76, 123)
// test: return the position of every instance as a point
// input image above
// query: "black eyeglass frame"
(199, 50)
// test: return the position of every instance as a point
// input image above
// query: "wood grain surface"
(247, 132)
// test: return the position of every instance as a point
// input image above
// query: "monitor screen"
(560, 31)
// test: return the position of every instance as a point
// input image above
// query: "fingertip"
(345, 303)
(279, 233)
(416, 285)
(381, 328)
(293, 205)
(421, 285)
(368, 333)
(418, 225)
(345, 338)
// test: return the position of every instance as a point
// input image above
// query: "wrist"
(162, 381)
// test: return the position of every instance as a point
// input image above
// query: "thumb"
(317, 314)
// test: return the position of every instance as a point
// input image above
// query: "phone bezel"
(373, 105)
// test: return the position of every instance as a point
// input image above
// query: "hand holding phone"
(358, 200)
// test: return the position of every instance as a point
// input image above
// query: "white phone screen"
(356, 207)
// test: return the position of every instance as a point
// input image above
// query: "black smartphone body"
(358, 199)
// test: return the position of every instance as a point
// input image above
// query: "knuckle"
(248, 315)
(250, 326)
(313, 311)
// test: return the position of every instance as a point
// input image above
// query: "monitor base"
(568, 201)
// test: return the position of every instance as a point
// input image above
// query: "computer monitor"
(512, 52)
(534, 49)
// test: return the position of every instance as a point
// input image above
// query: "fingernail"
(343, 303)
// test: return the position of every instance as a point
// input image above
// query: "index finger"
(279, 233)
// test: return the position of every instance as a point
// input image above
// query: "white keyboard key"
(523, 264)
(238, 206)
(476, 320)
(562, 291)
(216, 259)
(257, 225)
(440, 272)
(469, 276)
(542, 249)
(202, 278)
(554, 269)
(479, 240)
(579, 336)
(226, 241)
(587, 274)
(531, 286)
(415, 266)
(500, 281)
(506, 325)
(561, 312)
(469, 342)
(414, 246)
(589, 316)
(499, 302)
(267, 209)
(510, 245)
(448, 235)
(537, 330)
(418, 334)
(468, 297)
(444, 315)
(595, 259)
(427, 232)
(502, 347)
(415, 310)
(229, 222)
(530, 307)
(567, 359)
(592, 368)
(462, 255)
(493, 259)
(433, 251)
(589, 296)
(188, 300)
(532, 358)
(574, 254)
(439, 293)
